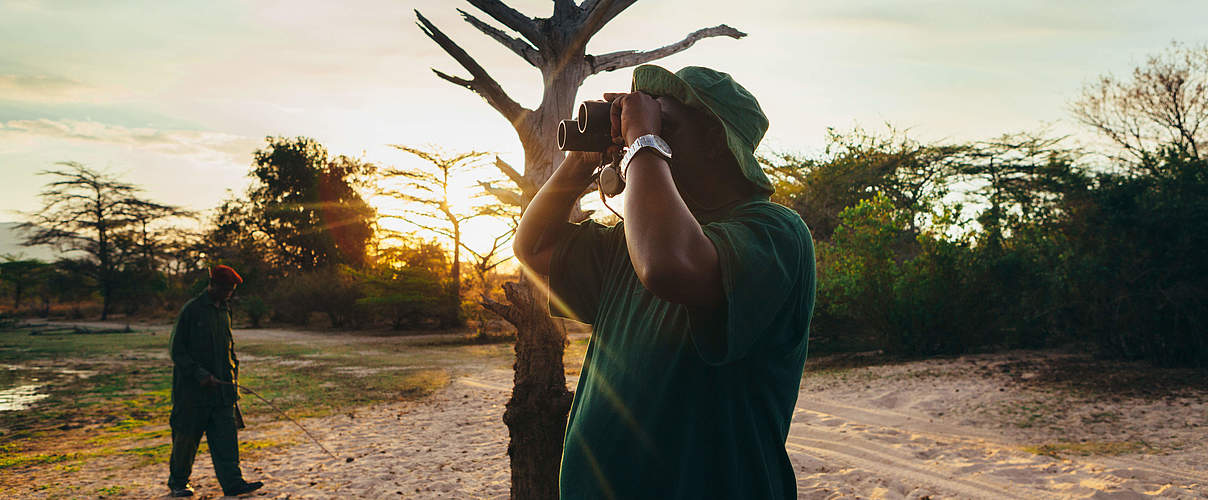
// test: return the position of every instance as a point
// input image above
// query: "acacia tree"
(1164, 105)
(429, 188)
(485, 261)
(557, 46)
(89, 211)
(22, 275)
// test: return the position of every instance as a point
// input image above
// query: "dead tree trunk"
(536, 413)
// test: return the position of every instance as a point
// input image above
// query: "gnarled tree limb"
(482, 84)
(519, 46)
(626, 58)
(600, 12)
(525, 185)
(520, 23)
(506, 196)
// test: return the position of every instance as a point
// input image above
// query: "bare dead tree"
(556, 45)
(1164, 104)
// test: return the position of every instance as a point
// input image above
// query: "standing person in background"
(700, 300)
(204, 373)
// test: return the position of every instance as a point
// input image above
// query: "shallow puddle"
(23, 393)
(20, 397)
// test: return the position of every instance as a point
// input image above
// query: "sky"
(175, 96)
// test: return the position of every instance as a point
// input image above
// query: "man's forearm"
(547, 214)
(669, 250)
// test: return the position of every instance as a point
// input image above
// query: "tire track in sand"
(894, 449)
(863, 455)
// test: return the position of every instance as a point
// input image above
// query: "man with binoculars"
(700, 299)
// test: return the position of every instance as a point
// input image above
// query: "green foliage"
(305, 206)
(406, 288)
(22, 277)
(255, 308)
(331, 291)
(1053, 254)
(905, 293)
(1135, 268)
(855, 167)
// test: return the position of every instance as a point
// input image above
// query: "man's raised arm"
(545, 220)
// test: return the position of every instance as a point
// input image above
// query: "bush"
(333, 292)
(406, 297)
(255, 308)
(929, 293)
(1136, 276)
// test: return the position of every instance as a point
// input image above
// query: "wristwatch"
(648, 141)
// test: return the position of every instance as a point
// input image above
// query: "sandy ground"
(940, 428)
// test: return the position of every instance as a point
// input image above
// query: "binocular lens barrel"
(591, 132)
(595, 117)
(571, 139)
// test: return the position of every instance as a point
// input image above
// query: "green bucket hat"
(718, 94)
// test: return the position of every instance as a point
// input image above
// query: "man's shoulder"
(769, 212)
(192, 304)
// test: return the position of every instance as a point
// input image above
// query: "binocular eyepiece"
(592, 131)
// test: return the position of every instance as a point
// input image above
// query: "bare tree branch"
(519, 46)
(504, 311)
(520, 23)
(626, 58)
(599, 13)
(525, 185)
(482, 84)
(506, 196)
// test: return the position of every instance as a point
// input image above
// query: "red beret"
(225, 274)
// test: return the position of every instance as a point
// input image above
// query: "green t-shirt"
(682, 402)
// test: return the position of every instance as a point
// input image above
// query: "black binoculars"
(592, 131)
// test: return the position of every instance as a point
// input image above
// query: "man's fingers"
(617, 104)
(609, 96)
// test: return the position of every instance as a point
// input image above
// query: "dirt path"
(970, 427)
(453, 445)
(274, 334)
(841, 450)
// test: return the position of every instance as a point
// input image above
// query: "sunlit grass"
(1089, 448)
(122, 409)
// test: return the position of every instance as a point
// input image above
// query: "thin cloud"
(177, 142)
(1029, 17)
(43, 89)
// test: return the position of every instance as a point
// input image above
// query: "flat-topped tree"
(96, 214)
(556, 45)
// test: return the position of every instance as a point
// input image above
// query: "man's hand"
(210, 381)
(634, 115)
(583, 163)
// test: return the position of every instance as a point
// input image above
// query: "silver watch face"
(653, 141)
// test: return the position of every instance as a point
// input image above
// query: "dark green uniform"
(202, 345)
(676, 402)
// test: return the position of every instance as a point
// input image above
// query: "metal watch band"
(648, 141)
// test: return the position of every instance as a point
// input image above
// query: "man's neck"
(218, 301)
(705, 193)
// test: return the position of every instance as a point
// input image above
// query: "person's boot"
(187, 491)
(246, 487)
